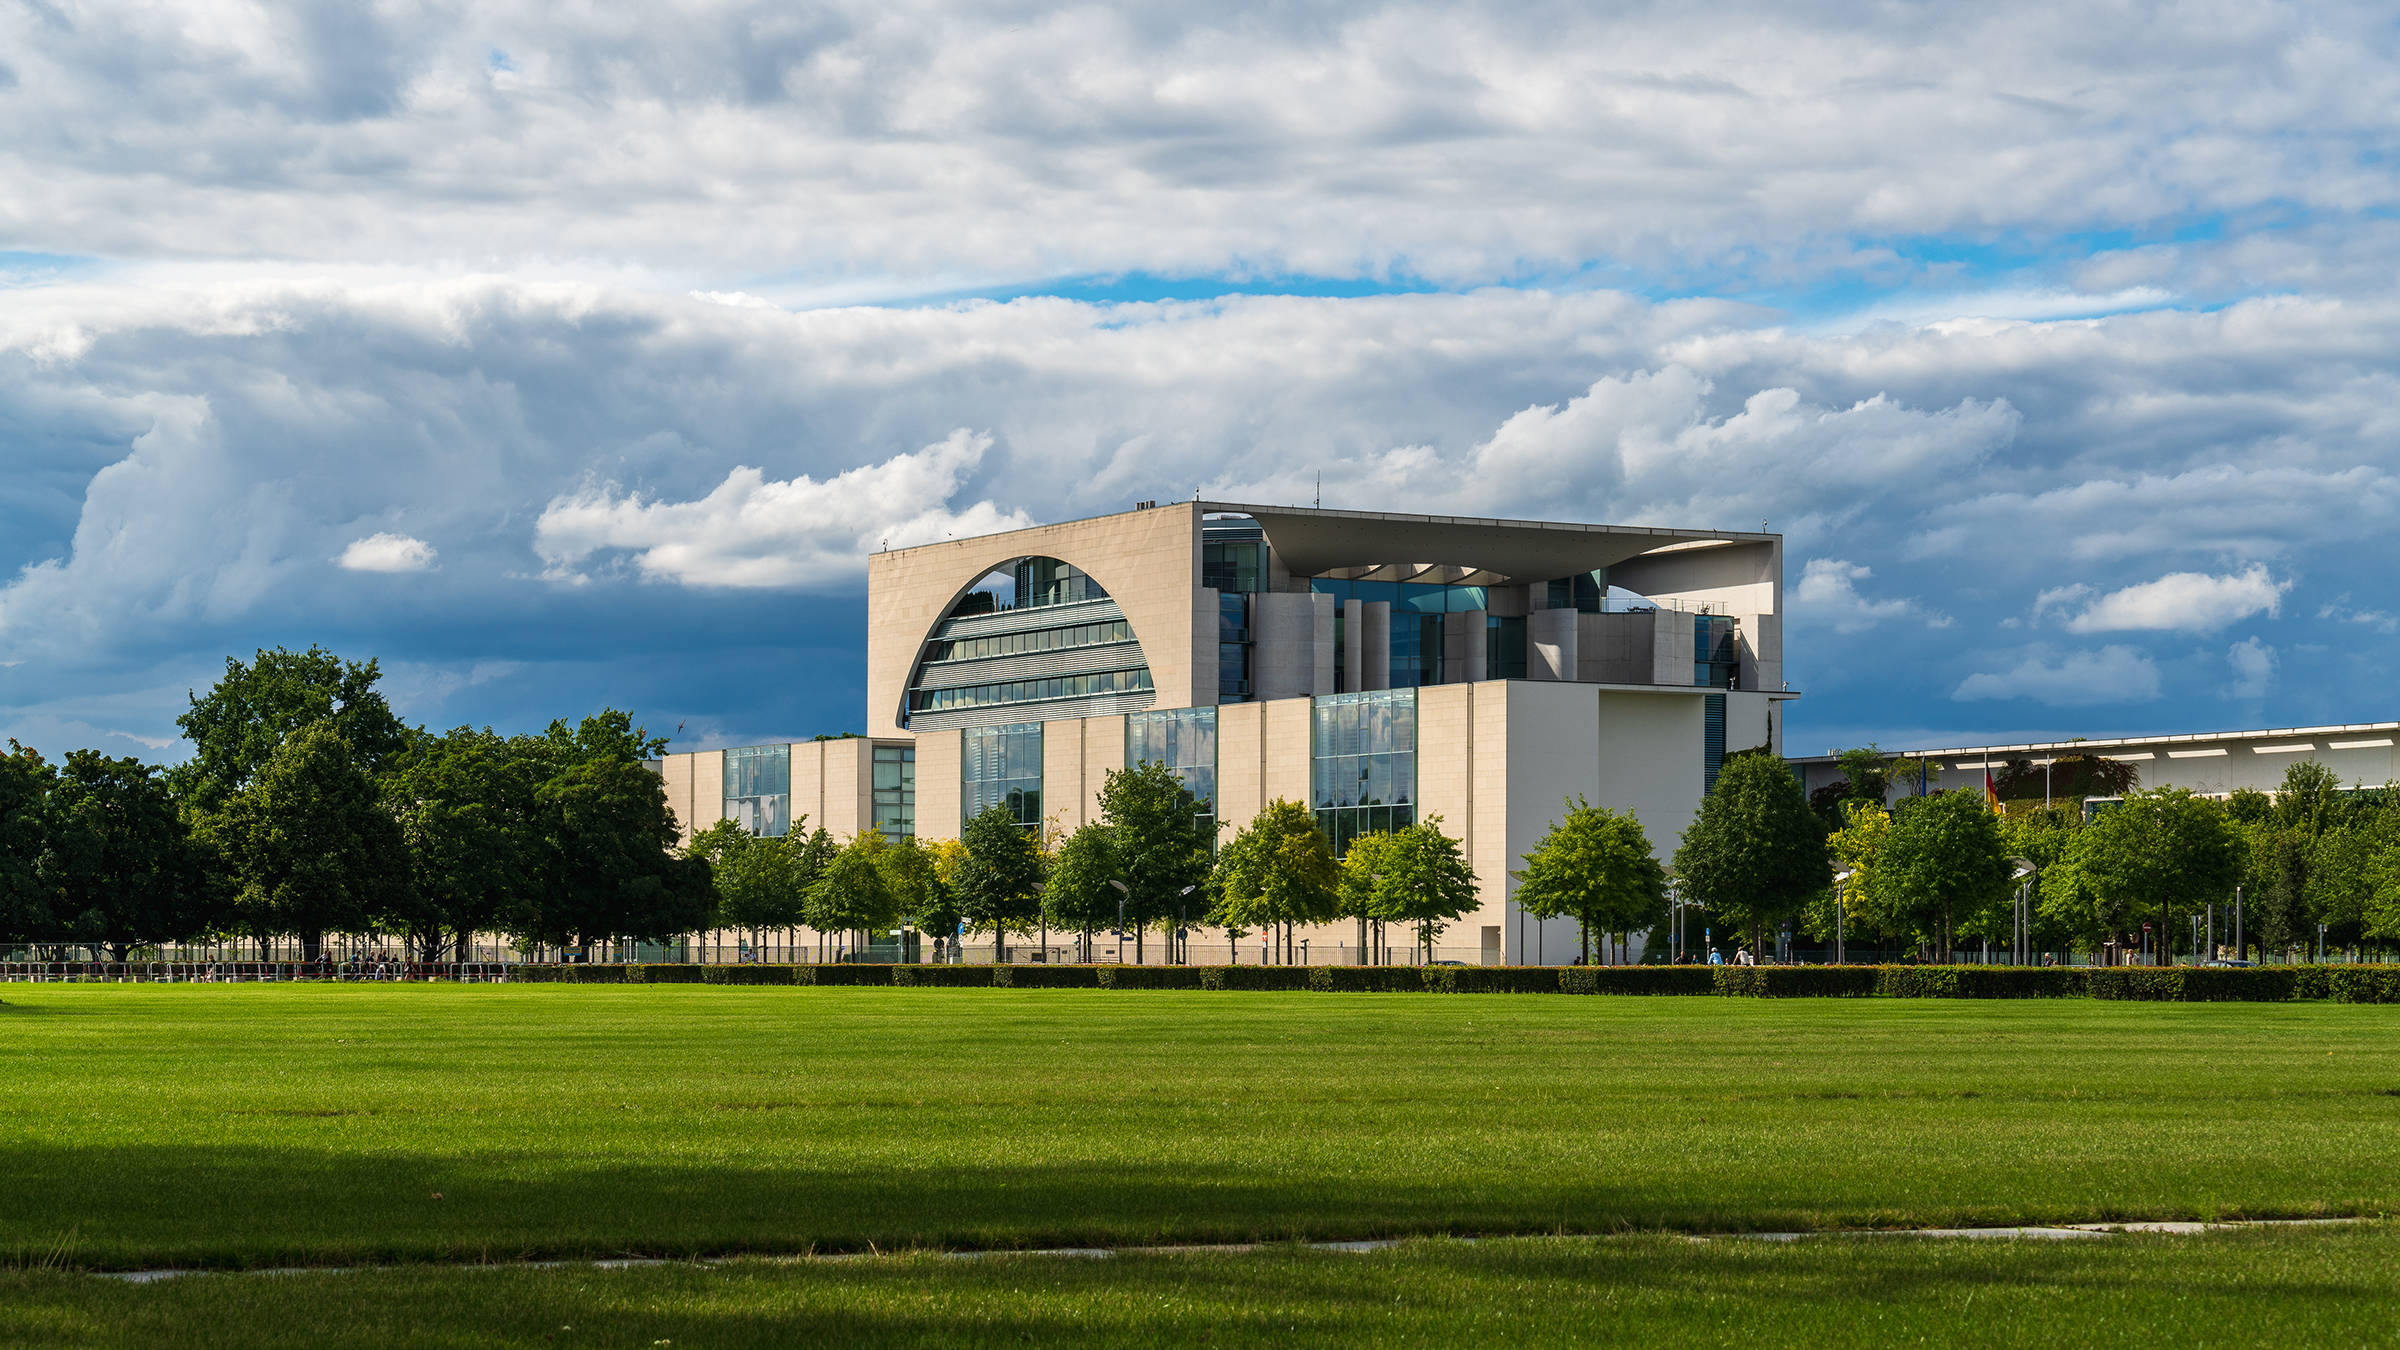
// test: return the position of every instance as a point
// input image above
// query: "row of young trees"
(308, 808)
(2310, 858)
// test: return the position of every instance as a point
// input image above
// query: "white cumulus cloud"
(2253, 665)
(2184, 601)
(798, 533)
(1828, 593)
(388, 553)
(2113, 674)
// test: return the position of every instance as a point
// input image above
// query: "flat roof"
(2103, 744)
(1316, 540)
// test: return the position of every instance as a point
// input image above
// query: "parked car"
(2228, 964)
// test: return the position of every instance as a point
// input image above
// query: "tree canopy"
(1755, 855)
(1595, 867)
(1276, 870)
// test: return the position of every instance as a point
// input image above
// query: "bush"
(1795, 981)
(1046, 977)
(1367, 979)
(942, 977)
(747, 974)
(1151, 977)
(1252, 977)
(2361, 984)
(1979, 981)
(1637, 980)
(1492, 979)
(588, 974)
(665, 974)
(2196, 984)
(844, 973)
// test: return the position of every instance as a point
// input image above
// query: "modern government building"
(1381, 668)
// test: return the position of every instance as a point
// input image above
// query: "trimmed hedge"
(843, 973)
(1795, 981)
(2347, 984)
(2195, 984)
(746, 974)
(1492, 979)
(1251, 977)
(569, 974)
(1151, 977)
(661, 973)
(1046, 977)
(1367, 979)
(946, 977)
(1981, 981)
(1637, 980)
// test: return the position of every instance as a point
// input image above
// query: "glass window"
(1030, 691)
(1363, 763)
(1002, 766)
(1185, 740)
(758, 788)
(895, 791)
(1504, 649)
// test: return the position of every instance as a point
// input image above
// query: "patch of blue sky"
(30, 269)
(1134, 288)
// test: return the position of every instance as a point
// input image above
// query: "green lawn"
(2312, 1287)
(264, 1125)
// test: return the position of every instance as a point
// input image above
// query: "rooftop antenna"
(1320, 491)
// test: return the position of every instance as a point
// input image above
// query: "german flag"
(1991, 793)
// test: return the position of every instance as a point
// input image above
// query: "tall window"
(895, 791)
(1712, 740)
(1716, 651)
(1002, 766)
(1364, 763)
(1185, 740)
(758, 788)
(1503, 649)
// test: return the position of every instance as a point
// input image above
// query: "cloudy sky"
(563, 355)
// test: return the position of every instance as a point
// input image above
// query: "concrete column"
(1354, 632)
(1671, 649)
(1323, 629)
(1377, 669)
(1283, 654)
(1551, 633)
(1463, 646)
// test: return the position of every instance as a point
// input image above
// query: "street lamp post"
(2237, 923)
(1183, 898)
(1841, 943)
(1120, 933)
(2023, 874)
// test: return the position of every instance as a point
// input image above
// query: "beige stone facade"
(1606, 707)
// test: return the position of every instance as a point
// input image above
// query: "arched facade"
(1047, 641)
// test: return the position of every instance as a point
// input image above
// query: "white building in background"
(1382, 668)
(2215, 763)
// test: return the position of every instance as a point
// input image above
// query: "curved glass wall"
(1036, 631)
(1363, 763)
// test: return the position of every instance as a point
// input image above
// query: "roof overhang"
(1315, 542)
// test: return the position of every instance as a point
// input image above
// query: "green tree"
(1423, 880)
(1077, 897)
(121, 866)
(1755, 856)
(465, 805)
(2311, 800)
(758, 879)
(26, 914)
(246, 717)
(1162, 844)
(1945, 863)
(1276, 872)
(853, 894)
(1868, 908)
(310, 845)
(610, 865)
(913, 871)
(998, 884)
(1596, 867)
(2162, 849)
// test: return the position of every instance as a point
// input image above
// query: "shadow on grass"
(1643, 1291)
(220, 1206)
